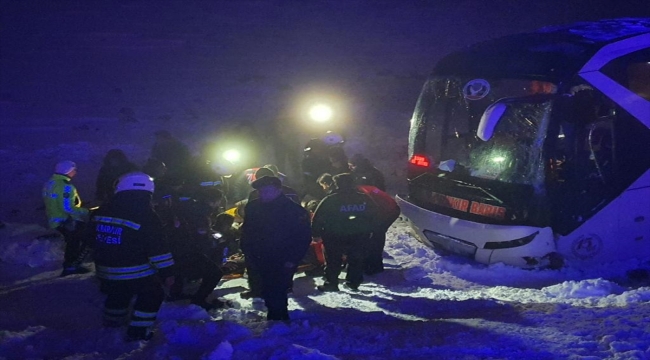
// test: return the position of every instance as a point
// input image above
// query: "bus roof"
(549, 54)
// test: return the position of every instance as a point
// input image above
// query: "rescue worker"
(388, 212)
(131, 256)
(275, 237)
(201, 175)
(315, 256)
(344, 220)
(65, 214)
(254, 279)
(241, 186)
(268, 170)
(171, 151)
(338, 160)
(315, 162)
(114, 165)
(197, 252)
(365, 173)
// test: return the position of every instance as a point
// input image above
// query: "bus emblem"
(476, 89)
(587, 246)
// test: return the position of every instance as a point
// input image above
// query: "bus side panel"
(621, 230)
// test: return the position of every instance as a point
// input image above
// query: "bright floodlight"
(320, 113)
(232, 155)
(498, 159)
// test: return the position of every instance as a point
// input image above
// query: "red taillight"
(420, 160)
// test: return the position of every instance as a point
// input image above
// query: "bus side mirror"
(493, 114)
(490, 119)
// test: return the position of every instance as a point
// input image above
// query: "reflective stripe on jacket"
(128, 239)
(62, 201)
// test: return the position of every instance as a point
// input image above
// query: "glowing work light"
(232, 155)
(320, 113)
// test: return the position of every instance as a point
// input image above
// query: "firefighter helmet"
(331, 138)
(135, 181)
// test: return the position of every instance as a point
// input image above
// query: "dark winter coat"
(314, 164)
(128, 239)
(193, 238)
(200, 176)
(343, 213)
(275, 232)
(287, 191)
(176, 156)
(366, 174)
(115, 165)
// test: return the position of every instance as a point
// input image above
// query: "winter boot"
(351, 286)
(328, 287)
(71, 270)
(316, 271)
(250, 294)
(138, 333)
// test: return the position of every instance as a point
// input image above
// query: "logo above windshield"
(476, 89)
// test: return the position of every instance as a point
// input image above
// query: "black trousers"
(199, 268)
(275, 280)
(375, 260)
(254, 277)
(355, 247)
(76, 246)
(149, 296)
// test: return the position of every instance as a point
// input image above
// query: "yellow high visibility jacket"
(62, 201)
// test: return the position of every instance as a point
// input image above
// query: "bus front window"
(447, 123)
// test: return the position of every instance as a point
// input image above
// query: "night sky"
(227, 60)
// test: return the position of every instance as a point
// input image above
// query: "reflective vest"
(62, 201)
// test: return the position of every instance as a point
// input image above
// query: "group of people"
(172, 222)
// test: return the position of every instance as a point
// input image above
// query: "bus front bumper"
(522, 246)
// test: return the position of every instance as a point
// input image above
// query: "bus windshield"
(449, 114)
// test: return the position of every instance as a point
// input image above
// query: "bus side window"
(600, 147)
(582, 154)
(639, 79)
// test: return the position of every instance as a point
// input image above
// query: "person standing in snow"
(345, 220)
(115, 164)
(254, 279)
(315, 162)
(171, 151)
(65, 214)
(388, 212)
(197, 253)
(131, 256)
(365, 173)
(275, 237)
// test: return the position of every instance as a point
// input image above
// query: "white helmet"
(135, 181)
(332, 138)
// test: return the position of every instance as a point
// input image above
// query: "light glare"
(232, 155)
(320, 113)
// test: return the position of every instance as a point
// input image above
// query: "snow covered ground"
(422, 307)
(73, 76)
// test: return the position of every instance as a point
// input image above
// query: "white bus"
(534, 149)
